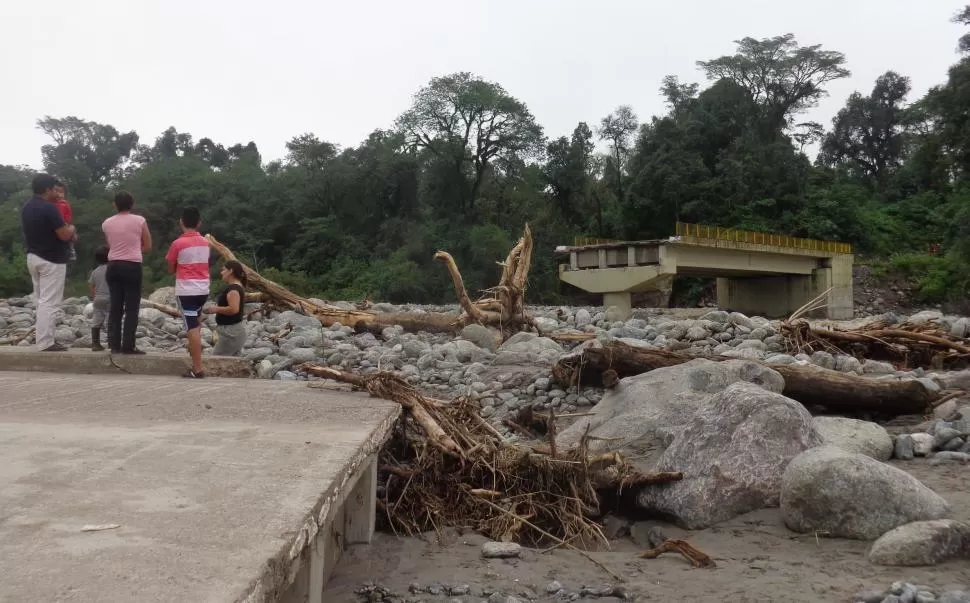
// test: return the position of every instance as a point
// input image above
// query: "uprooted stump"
(447, 466)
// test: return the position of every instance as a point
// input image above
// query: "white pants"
(48, 279)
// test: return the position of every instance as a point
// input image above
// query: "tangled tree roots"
(906, 345)
(447, 466)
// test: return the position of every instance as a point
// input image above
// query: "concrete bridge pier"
(622, 301)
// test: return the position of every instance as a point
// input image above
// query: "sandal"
(190, 374)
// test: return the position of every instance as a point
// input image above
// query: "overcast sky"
(268, 70)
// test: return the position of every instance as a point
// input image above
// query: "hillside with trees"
(467, 164)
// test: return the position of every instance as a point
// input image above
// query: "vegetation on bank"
(467, 164)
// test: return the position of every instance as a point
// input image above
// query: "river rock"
(546, 325)
(528, 348)
(922, 543)
(501, 550)
(164, 296)
(922, 443)
(481, 336)
(903, 448)
(295, 319)
(851, 495)
(853, 435)
(732, 453)
(299, 355)
(646, 411)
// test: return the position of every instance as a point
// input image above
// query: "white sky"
(266, 71)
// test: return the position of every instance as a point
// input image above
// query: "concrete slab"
(218, 486)
(98, 363)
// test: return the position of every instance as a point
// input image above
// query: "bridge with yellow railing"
(720, 233)
(757, 272)
(699, 231)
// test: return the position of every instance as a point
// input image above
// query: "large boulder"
(528, 348)
(163, 295)
(732, 453)
(851, 495)
(296, 320)
(645, 412)
(922, 543)
(152, 316)
(853, 435)
(481, 336)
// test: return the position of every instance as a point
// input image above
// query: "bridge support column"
(779, 296)
(622, 301)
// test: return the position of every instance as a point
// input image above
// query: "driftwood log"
(810, 385)
(502, 308)
(168, 310)
(925, 344)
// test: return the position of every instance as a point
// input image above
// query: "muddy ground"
(758, 560)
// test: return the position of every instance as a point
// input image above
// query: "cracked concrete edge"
(281, 570)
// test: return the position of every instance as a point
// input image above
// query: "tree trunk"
(503, 308)
(810, 385)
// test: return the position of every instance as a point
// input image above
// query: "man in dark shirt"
(46, 240)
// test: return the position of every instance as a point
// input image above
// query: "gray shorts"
(231, 339)
(100, 314)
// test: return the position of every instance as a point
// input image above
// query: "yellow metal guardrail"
(584, 241)
(759, 238)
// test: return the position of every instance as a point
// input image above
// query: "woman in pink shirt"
(128, 237)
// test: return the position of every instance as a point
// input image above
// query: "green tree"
(618, 128)
(783, 78)
(470, 125)
(85, 153)
(568, 173)
(868, 133)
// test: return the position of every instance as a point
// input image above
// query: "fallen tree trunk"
(502, 309)
(169, 310)
(810, 385)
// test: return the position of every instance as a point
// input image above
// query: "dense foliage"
(467, 165)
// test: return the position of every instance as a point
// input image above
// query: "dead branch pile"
(502, 308)
(447, 466)
(907, 345)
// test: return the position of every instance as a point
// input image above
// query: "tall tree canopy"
(782, 77)
(471, 125)
(85, 153)
(868, 133)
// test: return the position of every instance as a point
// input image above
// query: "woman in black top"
(230, 328)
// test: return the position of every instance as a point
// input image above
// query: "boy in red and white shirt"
(188, 258)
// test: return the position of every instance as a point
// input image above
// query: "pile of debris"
(447, 466)
(910, 344)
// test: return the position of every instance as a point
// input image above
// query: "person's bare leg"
(195, 348)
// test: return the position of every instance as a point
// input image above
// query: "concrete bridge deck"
(223, 490)
(759, 274)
